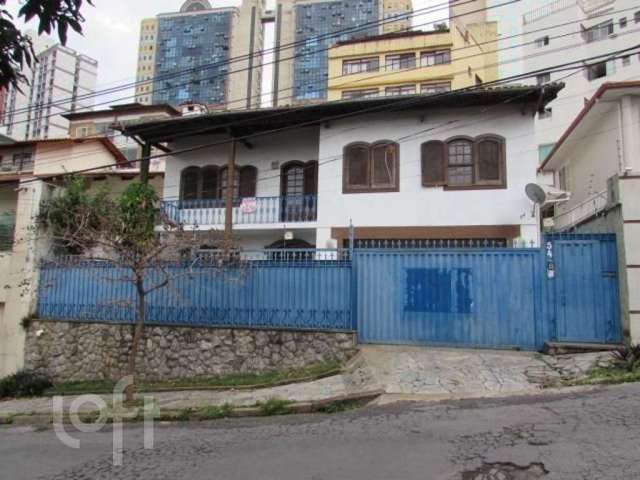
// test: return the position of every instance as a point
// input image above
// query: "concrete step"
(567, 348)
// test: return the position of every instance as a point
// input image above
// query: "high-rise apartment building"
(582, 29)
(203, 55)
(311, 27)
(60, 82)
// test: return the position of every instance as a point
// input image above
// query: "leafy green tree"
(16, 49)
(130, 232)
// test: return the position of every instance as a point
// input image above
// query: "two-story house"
(419, 170)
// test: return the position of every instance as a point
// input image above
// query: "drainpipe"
(630, 140)
(621, 160)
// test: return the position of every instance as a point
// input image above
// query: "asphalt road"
(593, 435)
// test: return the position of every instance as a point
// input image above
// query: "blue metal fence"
(476, 297)
(301, 290)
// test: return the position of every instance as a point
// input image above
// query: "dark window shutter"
(311, 178)
(357, 166)
(489, 161)
(210, 182)
(248, 178)
(190, 183)
(224, 182)
(434, 169)
(384, 164)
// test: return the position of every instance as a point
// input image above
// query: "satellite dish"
(535, 193)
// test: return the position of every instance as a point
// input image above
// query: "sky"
(112, 27)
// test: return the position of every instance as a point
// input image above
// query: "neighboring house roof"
(244, 122)
(105, 141)
(607, 91)
(128, 108)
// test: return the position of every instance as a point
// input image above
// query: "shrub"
(275, 406)
(24, 384)
(626, 358)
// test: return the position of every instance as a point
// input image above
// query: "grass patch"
(214, 412)
(340, 406)
(223, 382)
(275, 406)
(611, 376)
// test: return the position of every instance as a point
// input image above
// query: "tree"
(16, 48)
(124, 232)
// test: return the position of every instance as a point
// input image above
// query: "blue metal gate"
(473, 297)
(582, 293)
(508, 298)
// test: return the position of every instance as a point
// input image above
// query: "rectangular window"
(626, 60)
(542, 41)
(22, 161)
(440, 57)
(360, 65)
(563, 179)
(623, 22)
(598, 32)
(400, 61)
(371, 167)
(400, 90)
(433, 88)
(543, 78)
(547, 113)
(597, 70)
(355, 94)
(544, 151)
(636, 17)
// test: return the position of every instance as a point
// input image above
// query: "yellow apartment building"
(405, 63)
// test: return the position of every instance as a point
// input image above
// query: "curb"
(196, 414)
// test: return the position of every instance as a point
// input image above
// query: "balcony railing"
(248, 211)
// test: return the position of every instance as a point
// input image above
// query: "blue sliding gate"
(503, 298)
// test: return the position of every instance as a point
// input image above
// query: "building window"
(623, 22)
(547, 113)
(440, 57)
(600, 70)
(636, 17)
(542, 41)
(464, 162)
(364, 93)
(371, 167)
(563, 179)
(210, 183)
(626, 60)
(400, 90)
(543, 78)
(598, 32)
(433, 88)
(544, 151)
(360, 65)
(400, 61)
(23, 161)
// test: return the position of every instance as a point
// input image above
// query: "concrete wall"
(84, 351)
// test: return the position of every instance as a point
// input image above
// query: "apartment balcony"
(248, 211)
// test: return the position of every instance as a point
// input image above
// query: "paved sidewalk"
(418, 373)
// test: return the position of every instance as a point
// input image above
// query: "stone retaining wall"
(73, 351)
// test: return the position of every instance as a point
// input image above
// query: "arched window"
(371, 168)
(464, 162)
(190, 182)
(210, 183)
(299, 186)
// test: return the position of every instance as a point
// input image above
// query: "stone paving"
(401, 372)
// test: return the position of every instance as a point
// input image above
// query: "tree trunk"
(137, 336)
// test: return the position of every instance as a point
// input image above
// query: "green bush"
(275, 406)
(626, 358)
(24, 384)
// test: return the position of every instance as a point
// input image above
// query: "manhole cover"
(506, 471)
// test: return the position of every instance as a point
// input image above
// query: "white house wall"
(415, 205)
